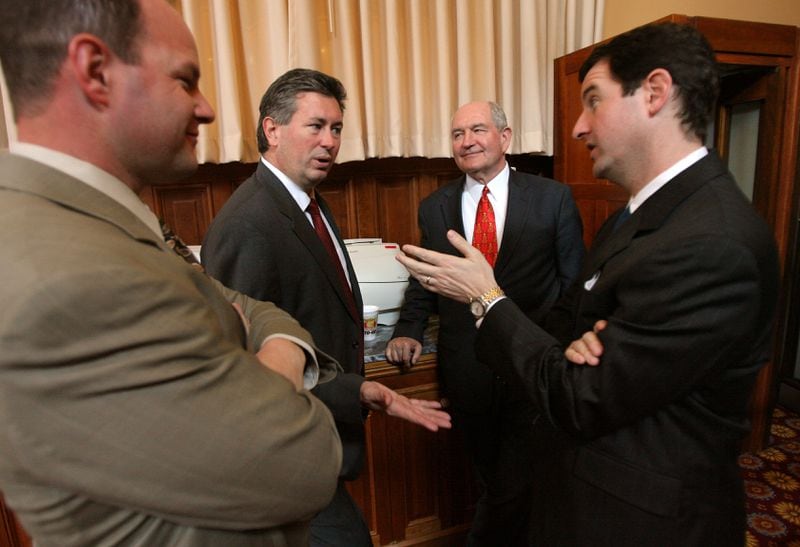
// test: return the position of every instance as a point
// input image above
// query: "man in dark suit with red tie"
(276, 240)
(674, 307)
(530, 231)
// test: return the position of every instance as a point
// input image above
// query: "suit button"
(355, 345)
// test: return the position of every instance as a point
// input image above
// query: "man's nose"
(203, 110)
(581, 127)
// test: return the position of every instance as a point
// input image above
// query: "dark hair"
(280, 100)
(681, 50)
(35, 34)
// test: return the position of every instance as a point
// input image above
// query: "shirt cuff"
(311, 371)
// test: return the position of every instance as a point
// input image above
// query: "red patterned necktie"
(484, 237)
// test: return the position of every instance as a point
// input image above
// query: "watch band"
(491, 295)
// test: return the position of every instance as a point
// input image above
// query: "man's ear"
(270, 130)
(89, 58)
(657, 87)
(505, 138)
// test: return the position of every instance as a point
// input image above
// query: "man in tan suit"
(137, 405)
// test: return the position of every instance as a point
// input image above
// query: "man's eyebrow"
(588, 90)
(472, 127)
(191, 69)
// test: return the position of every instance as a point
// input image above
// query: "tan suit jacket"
(132, 409)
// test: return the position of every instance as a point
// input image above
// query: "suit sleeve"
(675, 322)
(139, 393)
(418, 303)
(239, 255)
(268, 321)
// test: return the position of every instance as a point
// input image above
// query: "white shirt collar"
(498, 186)
(93, 176)
(663, 178)
(299, 195)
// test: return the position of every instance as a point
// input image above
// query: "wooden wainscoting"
(416, 487)
(370, 198)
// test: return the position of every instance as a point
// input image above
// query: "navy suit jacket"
(540, 255)
(263, 245)
(642, 449)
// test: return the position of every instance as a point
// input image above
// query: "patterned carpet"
(772, 484)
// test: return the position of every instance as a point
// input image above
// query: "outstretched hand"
(427, 414)
(451, 276)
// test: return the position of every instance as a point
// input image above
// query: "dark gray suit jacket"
(642, 449)
(540, 255)
(263, 245)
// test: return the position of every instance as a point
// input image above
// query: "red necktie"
(325, 237)
(484, 237)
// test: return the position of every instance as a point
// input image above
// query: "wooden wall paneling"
(186, 209)
(398, 198)
(339, 194)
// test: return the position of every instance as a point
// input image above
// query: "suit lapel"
(451, 208)
(351, 274)
(518, 211)
(653, 212)
(305, 233)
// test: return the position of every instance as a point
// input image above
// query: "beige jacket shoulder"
(131, 411)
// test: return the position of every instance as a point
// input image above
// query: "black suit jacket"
(263, 245)
(642, 449)
(540, 255)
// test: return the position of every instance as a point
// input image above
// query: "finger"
(600, 325)
(415, 267)
(579, 353)
(415, 354)
(461, 244)
(406, 355)
(574, 356)
(426, 403)
(592, 344)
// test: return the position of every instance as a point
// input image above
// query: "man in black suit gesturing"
(674, 305)
(275, 239)
(534, 238)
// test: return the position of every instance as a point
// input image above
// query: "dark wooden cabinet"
(416, 487)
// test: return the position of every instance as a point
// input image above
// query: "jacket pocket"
(646, 489)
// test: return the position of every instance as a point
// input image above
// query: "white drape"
(406, 64)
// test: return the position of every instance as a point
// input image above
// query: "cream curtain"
(406, 64)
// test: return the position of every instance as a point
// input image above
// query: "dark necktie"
(327, 242)
(325, 237)
(176, 244)
(623, 216)
(484, 237)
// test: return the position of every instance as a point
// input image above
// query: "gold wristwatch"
(479, 305)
